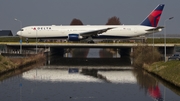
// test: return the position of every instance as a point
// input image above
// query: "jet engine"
(74, 37)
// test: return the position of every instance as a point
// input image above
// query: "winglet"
(153, 18)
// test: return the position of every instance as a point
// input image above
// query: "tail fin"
(153, 18)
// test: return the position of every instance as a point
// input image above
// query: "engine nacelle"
(74, 37)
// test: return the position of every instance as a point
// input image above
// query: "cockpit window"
(22, 30)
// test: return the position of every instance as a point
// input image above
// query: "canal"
(86, 75)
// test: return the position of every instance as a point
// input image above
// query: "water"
(70, 79)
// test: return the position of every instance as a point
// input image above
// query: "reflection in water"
(148, 83)
(19, 71)
(84, 75)
(94, 73)
(143, 79)
(77, 83)
(119, 76)
(155, 93)
(57, 75)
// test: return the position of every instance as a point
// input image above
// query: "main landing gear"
(91, 41)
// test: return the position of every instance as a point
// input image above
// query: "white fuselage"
(63, 31)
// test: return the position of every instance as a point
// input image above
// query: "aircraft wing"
(95, 32)
(155, 28)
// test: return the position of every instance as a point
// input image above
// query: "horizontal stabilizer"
(155, 28)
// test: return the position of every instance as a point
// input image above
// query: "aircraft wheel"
(91, 41)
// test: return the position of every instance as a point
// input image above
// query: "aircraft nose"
(19, 33)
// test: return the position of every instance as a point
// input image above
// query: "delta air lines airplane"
(81, 32)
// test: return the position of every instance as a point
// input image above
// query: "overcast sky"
(92, 12)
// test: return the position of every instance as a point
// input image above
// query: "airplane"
(90, 32)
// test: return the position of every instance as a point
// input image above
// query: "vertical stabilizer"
(153, 18)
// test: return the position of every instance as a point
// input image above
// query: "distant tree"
(76, 22)
(113, 21)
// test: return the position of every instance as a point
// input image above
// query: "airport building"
(5, 33)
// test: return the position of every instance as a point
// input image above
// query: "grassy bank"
(161, 40)
(169, 71)
(147, 57)
(8, 64)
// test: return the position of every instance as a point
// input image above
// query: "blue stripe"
(160, 7)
